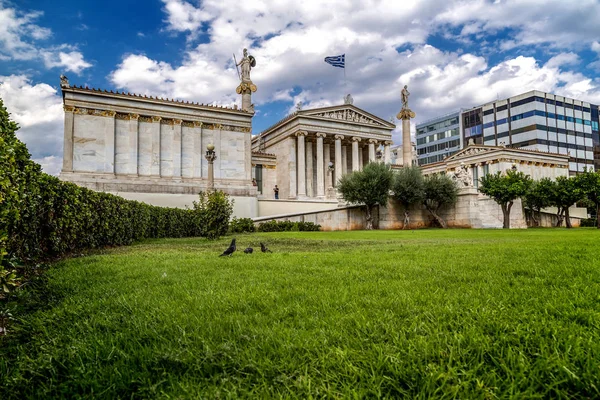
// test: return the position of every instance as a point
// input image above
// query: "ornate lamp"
(211, 156)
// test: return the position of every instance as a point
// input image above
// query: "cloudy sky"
(451, 54)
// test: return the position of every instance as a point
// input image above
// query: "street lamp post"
(211, 156)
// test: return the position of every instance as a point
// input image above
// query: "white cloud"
(19, 37)
(51, 164)
(38, 111)
(71, 61)
(289, 40)
(563, 59)
(596, 47)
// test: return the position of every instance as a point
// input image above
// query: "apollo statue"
(405, 93)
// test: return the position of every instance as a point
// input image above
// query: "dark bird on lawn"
(264, 248)
(229, 250)
(249, 250)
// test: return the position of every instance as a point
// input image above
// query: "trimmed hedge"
(242, 225)
(42, 217)
(285, 226)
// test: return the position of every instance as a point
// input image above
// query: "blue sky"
(452, 54)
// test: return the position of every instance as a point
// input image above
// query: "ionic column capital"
(134, 116)
(177, 122)
(339, 137)
(108, 113)
(320, 135)
(156, 118)
(356, 139)
(301, 133)
(69, 108)
(198, 124)
(388, 143)
(374, 141)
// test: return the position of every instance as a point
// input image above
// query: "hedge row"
(42, 217)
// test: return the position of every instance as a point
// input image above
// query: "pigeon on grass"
(264, 248)
(249, 250)
(229, 250)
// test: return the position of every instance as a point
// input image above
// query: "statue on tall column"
(405, 94)
(246, 87)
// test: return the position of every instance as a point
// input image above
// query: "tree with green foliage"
(566, 193)
(408, 189)
(213, 211)
(439, 191)
(370, 187)
(504, 188)
(589, 183)
(539, 196)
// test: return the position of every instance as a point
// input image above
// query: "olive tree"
(589, 183)
(408, 189)
(566, 193)
(439, 191)
(369, 187)
(539, 196)
(504, 188)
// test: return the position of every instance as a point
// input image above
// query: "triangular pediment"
(472, 150)
(346, 113)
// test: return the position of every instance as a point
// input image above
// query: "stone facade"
(315, 148)
(119, 142)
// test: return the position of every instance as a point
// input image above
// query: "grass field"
(430, 313)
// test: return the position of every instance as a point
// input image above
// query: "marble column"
(264, 180)
(355, 159)
(344, 160)
(177, 143)
(301, 164)
(320, 166)
(326, 161)
(109, 140)
(372, 150)
(406, 145)
(133, 143)
(155, 152)
(292, 169)
(309, 169)
(387, 156)
(338, 158)
(68, 139)
(360, 158)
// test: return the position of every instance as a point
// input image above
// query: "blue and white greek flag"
(337, 61)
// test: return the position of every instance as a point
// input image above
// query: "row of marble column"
(323, 155)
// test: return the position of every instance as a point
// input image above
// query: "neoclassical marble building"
(314, 148)
(119, 142)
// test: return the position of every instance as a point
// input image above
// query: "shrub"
(287, 226)
(588, 223)
(212, 212)
(242, 225)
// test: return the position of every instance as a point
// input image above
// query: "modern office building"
(439, 138)
(534, 120)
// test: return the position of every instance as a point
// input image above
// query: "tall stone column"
(309, 169)
(355, 160)
(338, 158)
(320, 166)
(405, 115)
(68, 139)
(326, 161)
(155, 154)
(372, 150)
(301, 164)
(344, 160)
(387, 156)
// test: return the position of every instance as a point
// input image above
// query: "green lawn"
(429, 313)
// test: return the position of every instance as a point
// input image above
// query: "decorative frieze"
(166, 121)
(347, 115)
(134, 116)
(69, 108)
(144, 118)
(92, 111)
(122, 116)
